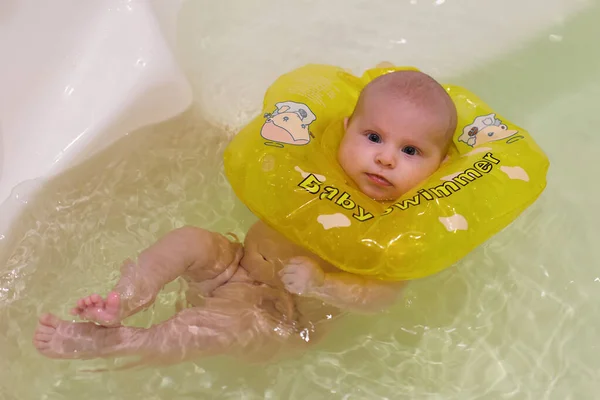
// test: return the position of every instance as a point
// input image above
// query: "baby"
(253, 300)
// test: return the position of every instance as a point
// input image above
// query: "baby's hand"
(301, 274)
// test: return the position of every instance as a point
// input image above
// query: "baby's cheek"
(418, 176)
(408, 176)
(346, 157)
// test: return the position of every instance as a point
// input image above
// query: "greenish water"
(517, 319)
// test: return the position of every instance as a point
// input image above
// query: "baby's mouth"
(379, 180)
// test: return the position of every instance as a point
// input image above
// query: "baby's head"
(398, 135)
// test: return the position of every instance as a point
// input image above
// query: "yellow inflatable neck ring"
(283, 166)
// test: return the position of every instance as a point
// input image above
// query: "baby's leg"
(222, 326)
(196, 253)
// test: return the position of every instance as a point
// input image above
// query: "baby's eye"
(411, 151)
(373, 137)
(285, 119)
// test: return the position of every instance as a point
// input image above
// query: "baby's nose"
(385, 159)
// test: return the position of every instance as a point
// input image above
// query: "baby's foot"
(56, 338)
(96, 309)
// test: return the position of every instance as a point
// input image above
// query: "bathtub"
(78, 78)
(75, 77)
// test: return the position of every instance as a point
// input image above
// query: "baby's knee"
(209, 240)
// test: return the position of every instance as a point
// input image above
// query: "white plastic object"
(75, 76)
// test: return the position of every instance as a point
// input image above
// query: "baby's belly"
(256, 285)
(253, 295)
(265, 252)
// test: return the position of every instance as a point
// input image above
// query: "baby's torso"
(265, 252)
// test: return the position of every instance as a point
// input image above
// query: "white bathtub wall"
(76, 76)
(240, 47)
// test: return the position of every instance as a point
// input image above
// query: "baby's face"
(391, 145)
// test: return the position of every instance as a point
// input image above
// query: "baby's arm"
(304, 277)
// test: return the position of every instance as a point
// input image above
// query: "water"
(517, 319)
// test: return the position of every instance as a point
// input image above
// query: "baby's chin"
(379, 194)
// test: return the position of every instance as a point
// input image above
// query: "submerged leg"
(198, 254)
(221, 327)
